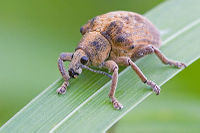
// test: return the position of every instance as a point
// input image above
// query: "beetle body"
(112, 39)
(118, 34)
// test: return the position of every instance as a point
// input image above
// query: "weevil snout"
(72, 73)
(79, 59)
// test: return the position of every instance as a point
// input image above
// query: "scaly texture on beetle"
(112, 39)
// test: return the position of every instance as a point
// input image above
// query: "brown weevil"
(112, 39)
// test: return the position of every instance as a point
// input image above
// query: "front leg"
(113, 67)
(64, 57)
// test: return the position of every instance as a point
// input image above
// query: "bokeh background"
(34, 32)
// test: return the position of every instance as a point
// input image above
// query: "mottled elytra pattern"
(112, 39)
(126, 32)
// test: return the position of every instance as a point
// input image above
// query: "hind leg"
(64, 57)
(149, 49)
(165, 60)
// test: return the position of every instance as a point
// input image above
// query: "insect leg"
(113, 67)
(165, 60)
(128, 62)
(64, 57)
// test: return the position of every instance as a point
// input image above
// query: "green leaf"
(86, 106)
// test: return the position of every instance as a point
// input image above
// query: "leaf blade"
(49, 109)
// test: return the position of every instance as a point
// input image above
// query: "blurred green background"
(34, 32)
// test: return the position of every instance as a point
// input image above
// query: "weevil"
(112, 39)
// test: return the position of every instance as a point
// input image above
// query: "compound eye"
(84, 60)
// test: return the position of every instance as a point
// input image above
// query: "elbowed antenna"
(97, 71)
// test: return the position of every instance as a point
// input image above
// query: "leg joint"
(115, 68)
(111, 65)
(129, 61)
(62, 56)
(66, 56)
